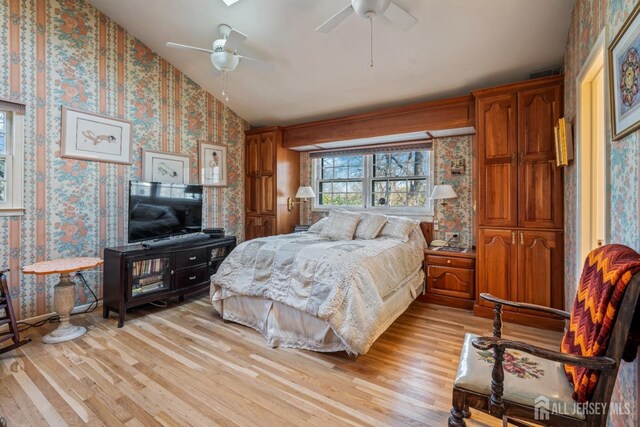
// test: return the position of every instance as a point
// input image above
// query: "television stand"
(135, 275)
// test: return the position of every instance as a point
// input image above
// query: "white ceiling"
(458, 46)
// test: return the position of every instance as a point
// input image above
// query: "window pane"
(327, 162)
(341, 173)
(3, 191)
(354, 187)
(327, 173)
(339, 187)
(356, 172)
(356, 161)
(326, 187)
(3, 167)
(417, 199)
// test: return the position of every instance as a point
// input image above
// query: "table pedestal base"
(64, 299)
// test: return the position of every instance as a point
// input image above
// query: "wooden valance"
(453, 113)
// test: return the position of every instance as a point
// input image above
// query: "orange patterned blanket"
(607, 271)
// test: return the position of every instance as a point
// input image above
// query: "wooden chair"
(9, 318)
(515, 403)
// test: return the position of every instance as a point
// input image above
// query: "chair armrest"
(555, 311)
(597, 363)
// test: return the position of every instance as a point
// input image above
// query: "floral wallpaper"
(56, 53)
(588, 19)
(457, 215)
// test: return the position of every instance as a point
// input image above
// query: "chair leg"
(466, 411)
(456, 419)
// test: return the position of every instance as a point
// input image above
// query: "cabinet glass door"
(149, 275)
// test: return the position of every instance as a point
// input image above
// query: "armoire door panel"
(540, 273)
(267, 195)
(538, 113)
(268, 226)
(499, 204)
(253, 154)
(541, 202)
(252, 228)
(498, 126)
(497, 258)
(252, 194)
(267, 153)
(497, 156)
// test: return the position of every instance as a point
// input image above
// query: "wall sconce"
(443, 192)
(303, 193)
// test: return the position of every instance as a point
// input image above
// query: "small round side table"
(64, 293)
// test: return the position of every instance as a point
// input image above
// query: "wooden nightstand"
(450, 278)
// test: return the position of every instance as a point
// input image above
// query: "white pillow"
(318, 226)
(341, 225)
(370, 225)
(399, 228)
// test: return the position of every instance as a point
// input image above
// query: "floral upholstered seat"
(528, 379)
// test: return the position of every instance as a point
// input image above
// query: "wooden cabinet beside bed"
(520, 198)
(272, 174)
(450, 278)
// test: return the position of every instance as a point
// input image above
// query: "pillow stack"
(345, 225)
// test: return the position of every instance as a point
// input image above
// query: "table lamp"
(443, 192)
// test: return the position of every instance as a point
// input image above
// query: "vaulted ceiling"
(458, 46)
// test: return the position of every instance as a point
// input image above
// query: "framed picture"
(624, 77)
(213, 164)
(160, 166)
(91, 136)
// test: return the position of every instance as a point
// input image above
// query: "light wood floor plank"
(183, 366)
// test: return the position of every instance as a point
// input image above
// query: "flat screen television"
(158, 210)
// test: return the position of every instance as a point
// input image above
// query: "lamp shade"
(443, 192)
(305, 193)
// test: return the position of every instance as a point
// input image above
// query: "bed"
(305, 291)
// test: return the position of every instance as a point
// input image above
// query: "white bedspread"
(341, 282)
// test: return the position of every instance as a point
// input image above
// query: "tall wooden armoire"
(520, 247)
(272, 174)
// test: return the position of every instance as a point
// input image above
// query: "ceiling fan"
(224, 55)
(371, 9)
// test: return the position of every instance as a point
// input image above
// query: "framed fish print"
(95, 137)
(160, 166)
(212, 160)
(624, 77)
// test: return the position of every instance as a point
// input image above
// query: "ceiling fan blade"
(184, 46)
(264, 65)
(400, 17)
(336, 19)
(234, 40)
(230, 2)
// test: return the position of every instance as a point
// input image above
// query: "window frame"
(14, 164)
(367, 182)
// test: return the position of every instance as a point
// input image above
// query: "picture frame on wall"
(95, 137)
(212, 162)
(162, 166)
(624, 77)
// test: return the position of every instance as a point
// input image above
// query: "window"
(384, 180)
(11, 158)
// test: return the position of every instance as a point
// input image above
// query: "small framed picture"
(624, 77)
(160, 166)
(213, 164)
(91, 136)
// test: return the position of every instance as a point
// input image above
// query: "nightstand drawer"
(447, 261)
(190, 258)
(450, 281)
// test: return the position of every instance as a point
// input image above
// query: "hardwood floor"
(184, 366)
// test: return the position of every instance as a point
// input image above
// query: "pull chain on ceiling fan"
(371, 9)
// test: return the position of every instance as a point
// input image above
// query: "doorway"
(592, 153)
